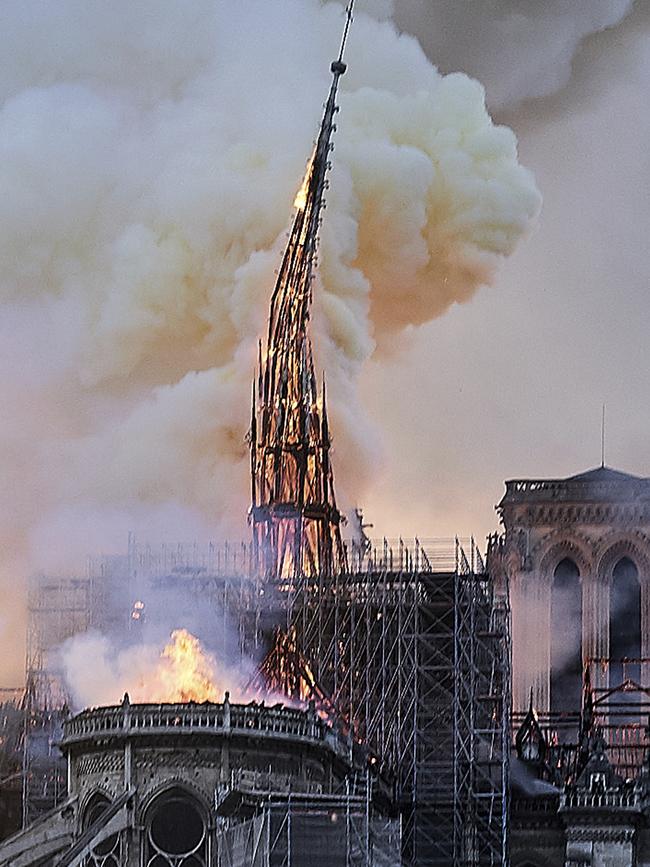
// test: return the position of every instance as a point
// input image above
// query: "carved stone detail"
(100, 763)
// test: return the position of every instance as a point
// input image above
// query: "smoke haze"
(512, 385)
(150, 155)
(518, 49)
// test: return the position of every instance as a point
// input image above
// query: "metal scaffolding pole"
(481, 723)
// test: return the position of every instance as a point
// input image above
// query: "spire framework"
(296, 523)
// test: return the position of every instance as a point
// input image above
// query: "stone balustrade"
(131, 720)
(604, 799)
(572, 490)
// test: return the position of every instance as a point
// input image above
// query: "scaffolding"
(57, 608)
(408, 652)
(481, 722)
(338, 829)
(412, 650)
(615, 706)
(11, 759)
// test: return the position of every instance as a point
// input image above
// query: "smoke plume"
(150, 153)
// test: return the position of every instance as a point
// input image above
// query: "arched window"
(566, 638)
(94, 808)
(176, 833)
(624, 622)
(107, 853)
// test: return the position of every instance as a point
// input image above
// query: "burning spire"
(295, 520)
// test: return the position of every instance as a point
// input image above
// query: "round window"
(176, 833)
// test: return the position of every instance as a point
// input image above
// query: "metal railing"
(237, 559)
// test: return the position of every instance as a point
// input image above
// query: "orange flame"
(187, 672)
(301, 196)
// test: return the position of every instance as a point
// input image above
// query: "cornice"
(593, 514)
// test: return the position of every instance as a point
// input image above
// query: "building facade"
(576, 555)
(191, 785)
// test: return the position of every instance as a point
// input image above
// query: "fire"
(187, 672)
(179, 670)
(301, 196)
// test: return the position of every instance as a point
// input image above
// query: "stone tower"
(576, 553)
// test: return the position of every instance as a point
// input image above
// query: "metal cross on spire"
(295, 520)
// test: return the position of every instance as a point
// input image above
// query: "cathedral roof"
(603, 474)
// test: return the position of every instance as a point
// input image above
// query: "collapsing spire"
(295, 520)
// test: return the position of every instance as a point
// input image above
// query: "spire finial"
(344, 39)
(602, 439)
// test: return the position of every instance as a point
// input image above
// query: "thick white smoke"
(149, 155)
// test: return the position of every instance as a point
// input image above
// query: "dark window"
(624, 622)
(107, 853)
(96, 806)
(566, 638)
(176, 834)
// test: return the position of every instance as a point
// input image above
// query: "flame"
(301, 196)
(187, 672)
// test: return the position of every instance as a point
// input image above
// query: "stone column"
(595, 624)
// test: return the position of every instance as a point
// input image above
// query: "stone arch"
(616, 545)
(561, 544)
(567, 642)
(180, 784)
(108, 852)
(92, 795)
(616, 548)
(176, 827)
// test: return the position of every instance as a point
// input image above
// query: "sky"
(511, 384)
(149, 162)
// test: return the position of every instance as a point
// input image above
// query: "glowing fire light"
(186, 671)
(301, 196)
